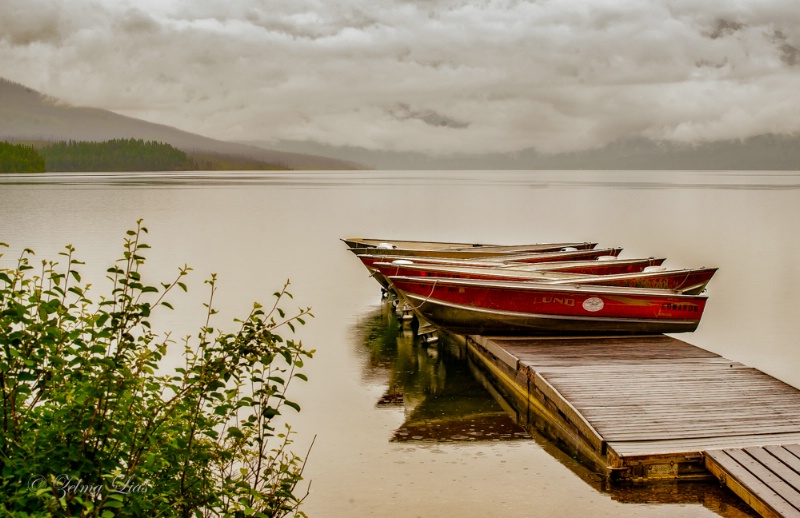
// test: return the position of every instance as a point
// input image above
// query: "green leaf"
(270, 412)
(27, 376)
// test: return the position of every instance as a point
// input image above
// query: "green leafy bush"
(93, 425)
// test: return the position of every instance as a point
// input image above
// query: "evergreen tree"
(116, 155)
(19, 158)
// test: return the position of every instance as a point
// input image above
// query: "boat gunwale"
(508, 263)
(568, 276)
(454, 246)
(538, 286)
(504, 257)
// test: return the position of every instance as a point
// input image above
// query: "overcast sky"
(439, 76)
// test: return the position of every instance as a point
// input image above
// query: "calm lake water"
(402, 431)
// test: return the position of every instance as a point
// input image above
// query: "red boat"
(475, 252)
(686, 281)
(492, 262)
(470, 306)
(360, 244)
(601, 265)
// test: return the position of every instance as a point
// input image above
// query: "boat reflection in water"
(440, 399)
(445, 398)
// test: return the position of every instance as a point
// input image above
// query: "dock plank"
(693, 446)
(776, 465)
(776, 484)
(748, 485)
(570, 412)
(794, 448)
(785, 456)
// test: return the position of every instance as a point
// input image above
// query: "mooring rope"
(413, 308)
(680, 287)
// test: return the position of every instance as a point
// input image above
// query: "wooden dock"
(767, 478)
(647, 408)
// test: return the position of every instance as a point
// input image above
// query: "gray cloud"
(789, 53)
(724, 28)
(404, 112)
(45, 24)
(437, 77)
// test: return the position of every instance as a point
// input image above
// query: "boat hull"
(686, 281)
(476, 252)
(491, 260)
(369, 260)
(519, 308)
(383, 244)
(357, 242)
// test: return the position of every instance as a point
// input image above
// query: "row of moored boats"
(553, 288)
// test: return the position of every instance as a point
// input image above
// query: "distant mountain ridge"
(760, 153)
(27, 115)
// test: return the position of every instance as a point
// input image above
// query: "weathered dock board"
(640, 407)
(767, 478)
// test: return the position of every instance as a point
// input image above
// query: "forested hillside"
(28, 116)
(111, 155)
(115, 155)
(19, 158)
